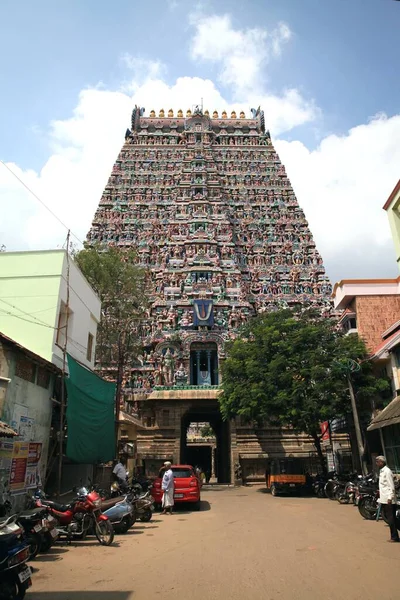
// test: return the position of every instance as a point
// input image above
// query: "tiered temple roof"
(207, 203)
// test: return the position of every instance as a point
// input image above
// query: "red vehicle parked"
(77, 519)
(187, 487)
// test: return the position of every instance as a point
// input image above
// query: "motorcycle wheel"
(123, 526)
(146, 516)
(104, 532)
(132, 519)
(343, 499)
(321, 493)
(330, 489)
(367, 508)
(34, 547)
(47, 543)
(12, 589)
(274, 491)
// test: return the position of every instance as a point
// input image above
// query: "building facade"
(207, 204)
(371, 308)
(392, 207)
(26, 404)
(33, 302)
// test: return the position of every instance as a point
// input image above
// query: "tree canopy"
(289, 368)
(120, 284)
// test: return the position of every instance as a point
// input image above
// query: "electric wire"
(41, 201)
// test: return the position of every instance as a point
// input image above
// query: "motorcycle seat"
(57, 506)
(32, 513)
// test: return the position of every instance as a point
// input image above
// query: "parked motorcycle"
(121, 513)
(39, 532)
(144, 506)
(78, 518)
(318, 486)
(143, 502)
(335, 487)
(15, 574)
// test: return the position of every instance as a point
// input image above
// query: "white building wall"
(84, 316)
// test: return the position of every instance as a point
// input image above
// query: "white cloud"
(342, 185)
(240, 53)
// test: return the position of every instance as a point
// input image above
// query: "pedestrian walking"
(167, 487)
(387, 496)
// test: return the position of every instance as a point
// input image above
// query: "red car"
(187, 487)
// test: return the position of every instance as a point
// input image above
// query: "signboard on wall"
(32, 477)
(19, 464)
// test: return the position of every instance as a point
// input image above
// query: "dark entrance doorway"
(201, 454)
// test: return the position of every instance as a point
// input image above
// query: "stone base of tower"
(168, 414)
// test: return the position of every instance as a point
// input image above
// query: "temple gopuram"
(207, 205)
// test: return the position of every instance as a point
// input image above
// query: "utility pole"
(118, 388)
(360, 444)
(64, 362)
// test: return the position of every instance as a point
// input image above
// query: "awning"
(90, 416)
(6, 430)
(389, 416)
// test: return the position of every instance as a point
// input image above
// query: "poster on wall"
(18, 467)
(26, 428)
(6, 454)
(32, 477)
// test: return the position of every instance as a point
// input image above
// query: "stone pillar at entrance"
(213, 463)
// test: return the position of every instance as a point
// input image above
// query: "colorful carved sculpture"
(215, 222)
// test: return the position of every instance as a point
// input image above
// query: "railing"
(186, 387)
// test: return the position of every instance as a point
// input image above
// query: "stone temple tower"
(207, 204)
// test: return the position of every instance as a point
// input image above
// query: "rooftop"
(346, 290)
(392, 196)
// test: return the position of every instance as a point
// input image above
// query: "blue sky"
(341, 57)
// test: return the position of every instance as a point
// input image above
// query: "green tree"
(207, 431)
(289, 369)
(120, 284)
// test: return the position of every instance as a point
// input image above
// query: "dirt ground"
(242, 544)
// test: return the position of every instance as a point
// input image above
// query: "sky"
(326, 74)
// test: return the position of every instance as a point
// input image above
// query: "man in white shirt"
(168, 489)
(387, 496)
(120, 473)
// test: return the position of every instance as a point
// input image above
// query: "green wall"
(29, 290)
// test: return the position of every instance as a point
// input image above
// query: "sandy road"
(243, 544)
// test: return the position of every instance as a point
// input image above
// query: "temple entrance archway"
(214, 457)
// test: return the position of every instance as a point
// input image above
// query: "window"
(391, 437)
(165, 418)
(43, 378)
(64, 318)
(89, 349)
(182, 473)
(25, 369)
(396, 352)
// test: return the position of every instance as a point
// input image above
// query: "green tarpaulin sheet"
(90, 416)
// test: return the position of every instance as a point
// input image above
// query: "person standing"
(120, 473)
(167, 487)
(387, 496)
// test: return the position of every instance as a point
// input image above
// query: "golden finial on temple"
(215, 114)
(224, 115)
(242, 115)
(170, 113)
(152, 113)
(188, 113)
(162, 113)
(206, 113)
(233, 115)
(180, 114)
